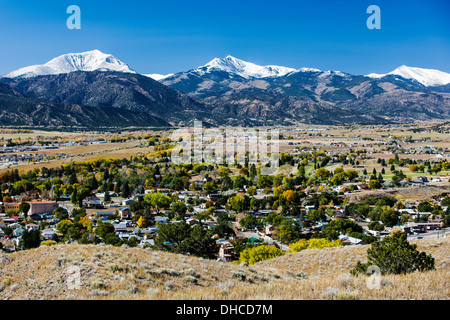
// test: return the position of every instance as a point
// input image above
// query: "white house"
(48, 234)
(31, 226)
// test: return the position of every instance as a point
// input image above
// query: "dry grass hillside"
(133, 273)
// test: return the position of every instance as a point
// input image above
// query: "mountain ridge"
(231, 91)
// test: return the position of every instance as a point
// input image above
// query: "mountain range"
(224, 91)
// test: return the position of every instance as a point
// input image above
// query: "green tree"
(388, 216)
(375, 226)
(265, 181)
(446, 202)
(60, 213)
(103, 229)
(316, 215)
(107, 197)
(73, 178)
(181, 238)
(73, 196)
(287, 232)
(77, 214)
(180, 209)
(395, 255)
(24, 207)
(250, 221)
(63, 226)
(31, 239)
(125, 190)
(237, 203)
(82, 193)
(157, 200)
(374, 184)
(338, 226)
(425, 206)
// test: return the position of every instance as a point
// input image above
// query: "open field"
(132, 273)
(88, 152)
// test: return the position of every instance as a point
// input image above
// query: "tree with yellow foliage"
(290, 196)
(86, 222)
(303, 244)
(142, 222)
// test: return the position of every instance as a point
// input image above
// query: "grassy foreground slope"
(133, 273)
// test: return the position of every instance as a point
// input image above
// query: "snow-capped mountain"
(243, 68)
(157, 76)
(230, 91)
(94, 60)
(427, 77)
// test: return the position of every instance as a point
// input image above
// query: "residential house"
(213, 196)
(192, 221)
(101, 214)
(420, 180)
(126, 202)
(161, 219)
(269, 230)
(125, 213)
(93, 202)
(48, 234)
(226, 250)
(120, 227)
(31, 226)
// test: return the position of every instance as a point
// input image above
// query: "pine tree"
(117, 186)
(395, 255)
(107, 197)
(125, 189)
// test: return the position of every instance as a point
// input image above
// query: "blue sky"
(178, 35)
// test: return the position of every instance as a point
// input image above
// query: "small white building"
(48, 234)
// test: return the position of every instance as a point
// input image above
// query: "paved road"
(66, 205)
(431, 235)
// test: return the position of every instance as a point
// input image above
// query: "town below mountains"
(94, 90)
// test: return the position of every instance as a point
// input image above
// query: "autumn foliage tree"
(260, 253)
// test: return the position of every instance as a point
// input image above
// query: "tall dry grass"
(131, 273)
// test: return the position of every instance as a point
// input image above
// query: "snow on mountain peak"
(84, 61)
(427, 77)
(243, 68)
(157, 76)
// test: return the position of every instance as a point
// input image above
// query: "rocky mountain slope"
(17, 109)
(312, 96)
(227, 91)
(124, 91)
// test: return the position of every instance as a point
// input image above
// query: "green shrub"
(190, 279)
(395, 255)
